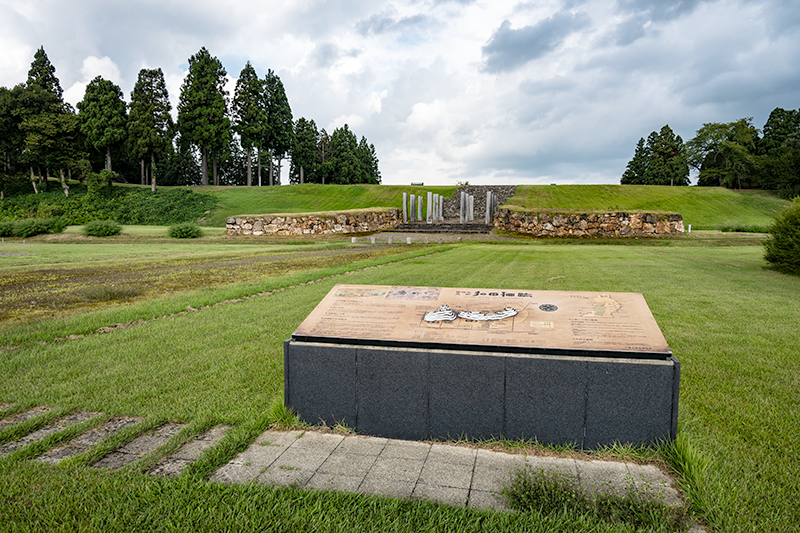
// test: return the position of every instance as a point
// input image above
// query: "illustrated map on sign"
(560, 320)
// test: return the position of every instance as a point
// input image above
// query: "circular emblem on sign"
(549, 308)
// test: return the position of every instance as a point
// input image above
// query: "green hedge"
(185, 230)
(126, 205)
(102, 228)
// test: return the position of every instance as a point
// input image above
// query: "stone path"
(451, 474)
(454, 475)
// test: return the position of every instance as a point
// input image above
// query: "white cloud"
(566, 90)
(92, 67)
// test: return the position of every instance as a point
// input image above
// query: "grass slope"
(731, 323)
(307, 198)
(703, 207)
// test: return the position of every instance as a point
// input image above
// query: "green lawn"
(307, 198)
(731, 322)
(703, 207)
(151, 231)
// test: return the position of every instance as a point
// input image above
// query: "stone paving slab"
(454, 475)
(139, 447)
(39, 435)
(22, 417)
(173, 465)
(87, 440)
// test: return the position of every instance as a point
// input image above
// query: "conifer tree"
(150, 127)
(102, 116)
(203, 112)
(278, 131)
(304, 148)
(249, 114)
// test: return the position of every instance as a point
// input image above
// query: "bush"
(6, 228)
(102, 228)
(782, 247)
(185, 230)
(32, 226)
(100, 182)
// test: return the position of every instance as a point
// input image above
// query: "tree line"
(216, 139)
(735, 155)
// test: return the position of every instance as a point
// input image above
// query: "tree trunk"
(108, 158)
(278, 181)
(141, 171)
(270, 168)
(152, 172)
(33, 182)
(249, 167)
(258, 156)
(301, 175)
(204, 166)
(64, 183)
(214, 164)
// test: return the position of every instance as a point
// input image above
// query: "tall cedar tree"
(48, 124)
(202, 110)
(249, 114)
(102, 116)
(43, 74)
(150, 127)
(663, 158)
(347, 166)
(278, 131)
(323, 158)
(304, 152)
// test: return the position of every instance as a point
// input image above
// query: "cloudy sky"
(450, 90)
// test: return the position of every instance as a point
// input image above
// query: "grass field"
(730, 321)
(703, 207)
(307, 198)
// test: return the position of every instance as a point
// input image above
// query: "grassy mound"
(702, 207)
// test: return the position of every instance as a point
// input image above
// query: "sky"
(448, 91)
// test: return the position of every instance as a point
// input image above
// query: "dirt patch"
(37, 293)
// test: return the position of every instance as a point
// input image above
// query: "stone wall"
(452, 205)
(357, 222)
(592, 225)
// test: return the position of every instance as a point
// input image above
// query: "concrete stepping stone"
(257, 457)
(173, 465)
(139, 447)
(454, 475)
(22, 417)
(86, 441)
(39, 435)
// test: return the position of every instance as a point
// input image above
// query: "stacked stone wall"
(589, 225)
(362, 222)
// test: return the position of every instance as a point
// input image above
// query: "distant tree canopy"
(733, 154)
(659, 161)
(339, 158)
(41, 135)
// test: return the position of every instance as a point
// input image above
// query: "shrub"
(31, 226)
(102, 228)
(6, 228)
(99, 182)
(57, 225)
(185, 230)
(782, 247)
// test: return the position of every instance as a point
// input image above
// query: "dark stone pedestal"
(417, 393)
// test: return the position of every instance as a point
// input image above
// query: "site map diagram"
(558, 320)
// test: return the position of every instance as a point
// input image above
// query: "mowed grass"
(153, 231)
(308, 198)
(702, 207)
(731, 322)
